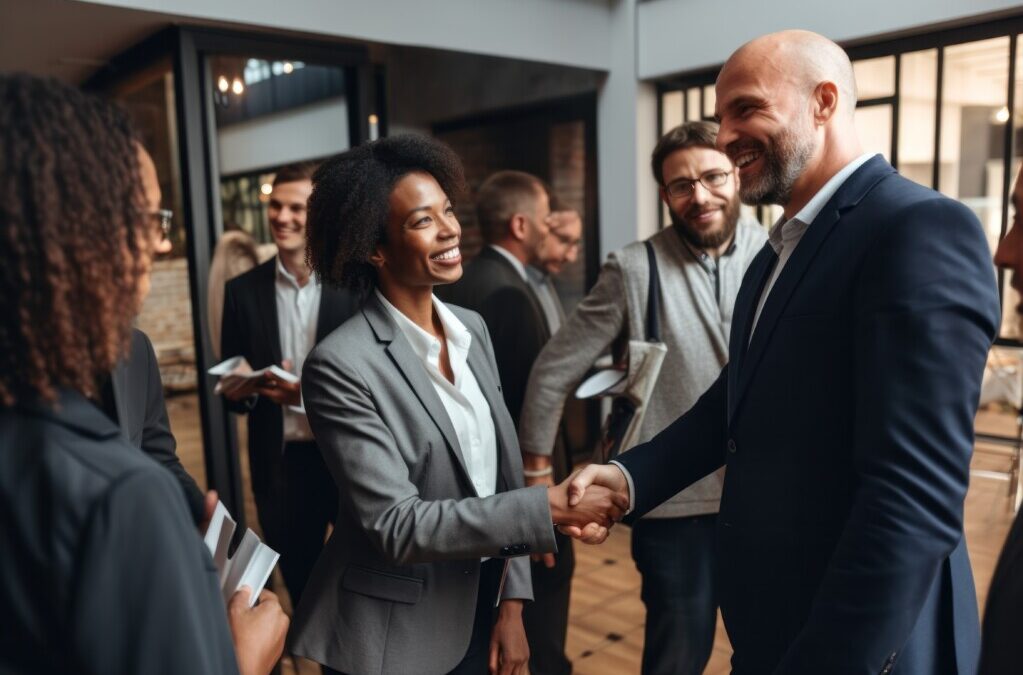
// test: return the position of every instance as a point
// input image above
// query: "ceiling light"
(288, 68)
(266, 188)
(237, 87)
(1001, 116)
(223, 84)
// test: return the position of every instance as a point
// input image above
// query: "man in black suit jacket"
(133, 399)
(845, 414)
(513, 209)
(272, 317)
(1003, 616)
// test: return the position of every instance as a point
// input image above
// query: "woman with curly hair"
(102, 569)
(426, 570)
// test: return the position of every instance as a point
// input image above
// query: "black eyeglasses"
(684, 189)
(164, 217)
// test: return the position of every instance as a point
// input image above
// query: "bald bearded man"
(845, 414)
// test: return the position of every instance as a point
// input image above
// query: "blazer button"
(731, 446)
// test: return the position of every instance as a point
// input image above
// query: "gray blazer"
(394, 590)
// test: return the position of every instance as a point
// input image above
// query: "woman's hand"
(509, 650)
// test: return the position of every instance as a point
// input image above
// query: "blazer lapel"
(119, 384)
(414, 372)
(848, 195)
(745, 308)
(267, 308)
(503, 425)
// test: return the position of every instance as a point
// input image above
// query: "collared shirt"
(463, 400)
(541, 284)
(516, 263)
(710, 264)
(298, 310)
(785, 235)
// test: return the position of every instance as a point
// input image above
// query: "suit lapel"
(798, 264)
(266, 301)
(414, 372)
(119, 384)
(480, 367)
(745, 309)
(516, 279)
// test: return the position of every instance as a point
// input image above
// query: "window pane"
(874, 125)
(709, 99)
(1010, 298)
(917, 92)
(974, 90)
(875, 78)
(671, 110)
(693, 107)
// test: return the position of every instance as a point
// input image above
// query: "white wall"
(315, 130)
(568, 32)
(683, 35)
(626, 135)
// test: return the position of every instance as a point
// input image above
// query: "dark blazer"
(142, 415)
(250, 329)
(1003, 615)
(847, 428)
(492, 287)
(395, 588)
(102, 569)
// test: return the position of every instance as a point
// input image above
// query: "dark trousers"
(310, 503)
(546, 618)
(477, 657)
(675, 557)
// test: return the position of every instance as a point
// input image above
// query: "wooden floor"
(605, 635)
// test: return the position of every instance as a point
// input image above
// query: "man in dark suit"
(845, 414)
(133, 399)
(1003, 616)
(273, 315)
(513, 209)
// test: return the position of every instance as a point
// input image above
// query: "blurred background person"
(425, 571)
(103, 570)
(234, 254)
(701, 260)
(273, 315)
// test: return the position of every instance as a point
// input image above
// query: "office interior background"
(574, 91)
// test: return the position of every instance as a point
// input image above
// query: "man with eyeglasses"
(701, 260)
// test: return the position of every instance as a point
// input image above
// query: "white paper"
(252, 562)
(229, 378)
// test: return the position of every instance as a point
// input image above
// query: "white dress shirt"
(463, 400)
(784, 237)
(298, 310)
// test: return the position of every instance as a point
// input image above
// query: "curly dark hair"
(72, 236)
(348, 208)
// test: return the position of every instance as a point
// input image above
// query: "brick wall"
(167, 319)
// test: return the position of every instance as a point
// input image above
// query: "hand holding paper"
(239, 381)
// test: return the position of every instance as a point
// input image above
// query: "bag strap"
(653, 321)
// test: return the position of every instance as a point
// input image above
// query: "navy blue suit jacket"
(846, 428)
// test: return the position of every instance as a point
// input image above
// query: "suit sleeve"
(157, 440)
(146, 595)
(691, 447)
(567, 356)
(926, 311)
(372, 476)
(231, 343)
(518, 337)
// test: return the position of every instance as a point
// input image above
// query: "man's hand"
(593, 513)
(209, 506)
(258, 633)
(236, 389)
(580, 485)
(509, 650)
(539, 464)
(280, 391)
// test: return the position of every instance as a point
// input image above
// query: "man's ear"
(517, 227)
(664, 196)
(825, 102)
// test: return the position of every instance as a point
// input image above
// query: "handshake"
(587, 503)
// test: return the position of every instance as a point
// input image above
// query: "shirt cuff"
(632, 486)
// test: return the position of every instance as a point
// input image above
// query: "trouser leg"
(546, 618)
(675, 557)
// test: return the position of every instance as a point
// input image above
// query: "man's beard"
(710, 238)
(783, 163)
